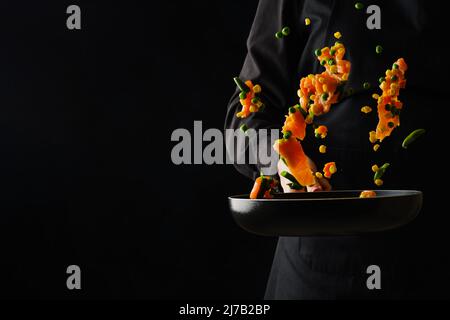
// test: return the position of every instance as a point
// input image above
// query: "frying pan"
(326, 213)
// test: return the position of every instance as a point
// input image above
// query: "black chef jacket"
(413, 259)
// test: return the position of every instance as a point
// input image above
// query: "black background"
(85, 172)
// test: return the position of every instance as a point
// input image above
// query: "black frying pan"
(326, 213)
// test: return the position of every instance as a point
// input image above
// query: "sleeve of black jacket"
(271, 63)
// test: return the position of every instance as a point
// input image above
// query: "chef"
(411, 260)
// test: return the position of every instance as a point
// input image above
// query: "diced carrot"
(295, 123)
(292, 152)
(256, 188)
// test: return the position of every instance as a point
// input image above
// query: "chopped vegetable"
(373, 137)
(323, 149)
(337, 35)
(366, 109)
(307, 21)
(263, 188)
(257, 88)
(286, 31)
(413, 136)
(359, 6)
(321, 132)
(376, 147)
(295, 123)
(368, 194)
(283, 33)
(389, 107)
(375, 168)
(379, 182)
(380, 172)
(248, 99)
(319, 92)
(287, 135)
(241, 85)
(319, 175)
(244, 128)
(297, 162)
(329, 169)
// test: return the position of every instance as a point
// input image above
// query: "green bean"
(413, 136)
(379, 174)
(295, 186)
(290, 177)
(241, 85)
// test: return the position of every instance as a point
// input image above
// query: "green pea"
(285, 31)
(287, 135)
(323, 62)
(379, 49)
(265, 186)
(279, 35)
(292, 110)
(331, 62)
(244, 128)
(325, 96)
(318, 52)
(394, 78)
(241, 85)
(391, 124)
(395, 66)
(381, 80)
(366, 85)
(255, 100)
(333, 52)
(242, 95)
(359, 6)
